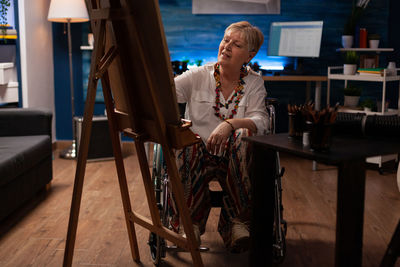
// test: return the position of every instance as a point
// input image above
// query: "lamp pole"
(71, 152)
(69, 11)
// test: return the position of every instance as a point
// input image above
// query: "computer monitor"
(295, 39)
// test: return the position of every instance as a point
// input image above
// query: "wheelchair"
(158, 246)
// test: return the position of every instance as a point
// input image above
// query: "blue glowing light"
(265, 62)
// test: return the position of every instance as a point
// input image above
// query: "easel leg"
(177, 190)
(75, 207)
(83, 147)
(80, 173)
(123, 186)
(119, 163)
(147, 182)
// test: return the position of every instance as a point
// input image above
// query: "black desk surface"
(342, 148)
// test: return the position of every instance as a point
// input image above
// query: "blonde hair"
(252, 34)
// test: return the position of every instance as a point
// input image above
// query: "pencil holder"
(296, 125)
(321, 136)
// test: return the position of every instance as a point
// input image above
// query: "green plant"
(352, 90)
(356, 13)
(368, 103)
(198, 62)
(4, 5)
(351, 57)
(374, 36)
(187, 61)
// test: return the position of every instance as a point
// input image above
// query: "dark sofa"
(25, 156)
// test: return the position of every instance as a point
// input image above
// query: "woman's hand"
(216, 142)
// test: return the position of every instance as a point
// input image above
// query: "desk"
(348, 155)
(302, 78)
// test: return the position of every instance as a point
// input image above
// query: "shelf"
(358, 77)
(86, 47)
(8, 41)
(377, 50)
(356, 110)
(368, 78)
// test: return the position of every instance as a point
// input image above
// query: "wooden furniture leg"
(262, 214)
(350, 213)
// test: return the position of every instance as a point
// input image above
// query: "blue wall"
(195, 37)
(61, 77)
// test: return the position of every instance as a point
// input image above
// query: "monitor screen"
(295, 39)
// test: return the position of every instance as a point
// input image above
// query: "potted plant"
(350, 25)
(368, 104)
(352, 95)
(4, 5)
(350, 63)
(373, 40)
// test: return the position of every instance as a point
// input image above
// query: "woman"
(225, 102)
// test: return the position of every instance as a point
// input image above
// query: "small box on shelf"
(369, 61)
(9, 93)
(5, 72)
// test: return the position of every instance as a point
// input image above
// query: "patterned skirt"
(197, 167)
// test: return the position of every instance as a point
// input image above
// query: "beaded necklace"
(238, 93)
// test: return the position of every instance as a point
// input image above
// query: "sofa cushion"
(20, 153)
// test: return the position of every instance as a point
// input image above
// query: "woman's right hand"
(216, 142)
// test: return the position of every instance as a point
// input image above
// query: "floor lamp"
(69, 11)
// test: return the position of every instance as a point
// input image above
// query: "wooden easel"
(131, 58)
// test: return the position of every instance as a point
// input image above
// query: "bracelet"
(233, 128)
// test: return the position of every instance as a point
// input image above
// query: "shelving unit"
(9, 74)
(369, 57)
(338, 75)
(8, 67)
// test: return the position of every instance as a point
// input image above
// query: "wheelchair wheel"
(156, 243)
(157, 248)
(279, 246)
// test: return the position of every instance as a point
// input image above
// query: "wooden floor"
(309, 198)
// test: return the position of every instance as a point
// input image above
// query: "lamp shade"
(64, 10)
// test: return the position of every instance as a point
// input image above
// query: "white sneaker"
(240, 237)
(196, 231)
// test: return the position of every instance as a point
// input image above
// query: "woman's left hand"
(216, 142)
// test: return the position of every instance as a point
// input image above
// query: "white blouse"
(196, 88)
